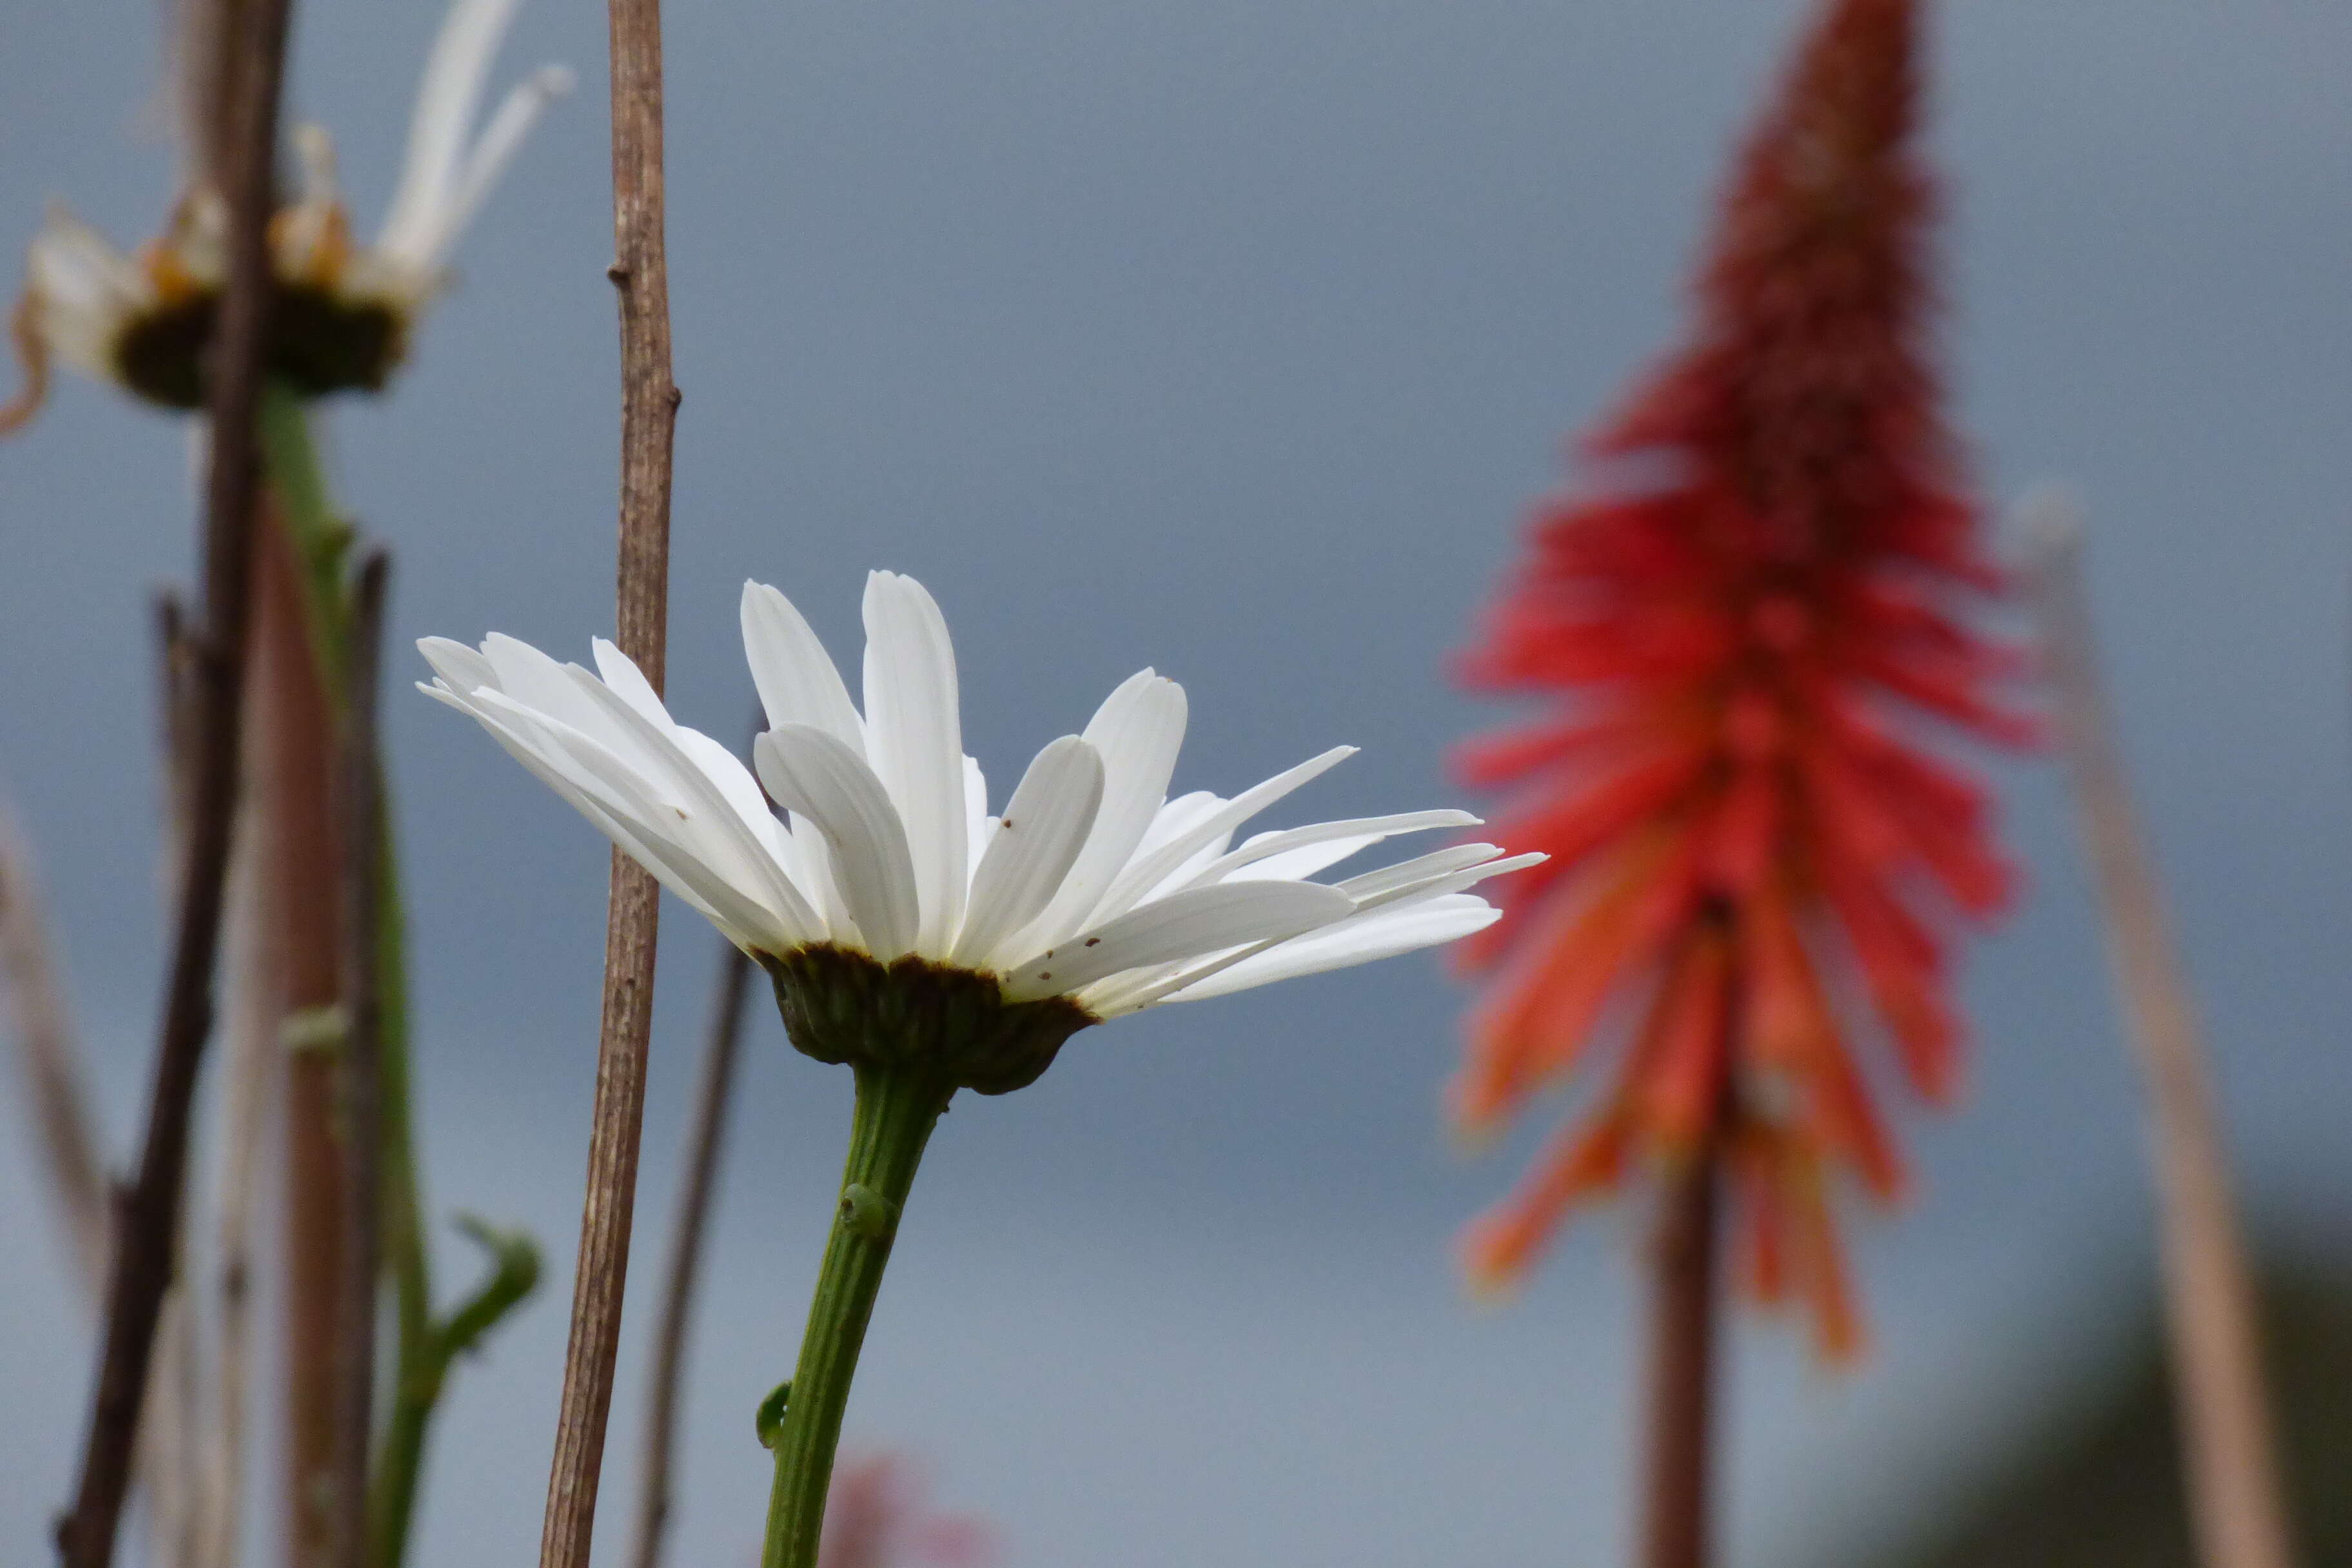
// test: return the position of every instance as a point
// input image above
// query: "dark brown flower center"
(319, 343)
(844, 1007)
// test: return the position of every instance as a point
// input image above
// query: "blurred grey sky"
(1236, 339)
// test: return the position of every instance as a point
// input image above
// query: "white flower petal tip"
(887, 898)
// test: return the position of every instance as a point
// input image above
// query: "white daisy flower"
(898, 915)
(344, 312)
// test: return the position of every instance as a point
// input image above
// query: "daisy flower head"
(904, 922)
(343, 313)
(1750, 637)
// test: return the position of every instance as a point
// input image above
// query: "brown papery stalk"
(49, 1052)
(150, 1212)
(704, 1141)
(649, 400)
(254, 969)
(360, 823)
(292, 719)
(2235, 1498)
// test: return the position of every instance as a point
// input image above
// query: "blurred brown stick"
(713, 1090)
(254, 967)
(49, 1052)
(360, 835)
(2233, 1484)
(649, 400)
(291, 715)
(150, 1211)
(1682, 1367)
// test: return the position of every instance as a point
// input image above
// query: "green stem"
(414, 1390)
(423, 1366)
(896, 1112)
(321, 536)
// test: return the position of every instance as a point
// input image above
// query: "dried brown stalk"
(291, 716)
(1682, 1367)
(360, 830)
(49, 1052)
(254, 968)
(150, 1211)
(713, 1088)
(649, 401)
(2235, 1498)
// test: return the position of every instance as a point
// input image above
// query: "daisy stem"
(897, 1109)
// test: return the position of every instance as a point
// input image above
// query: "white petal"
(545, 685)
(610, 793)
(446, 97)
(1380, 895)
(1178, 817)
(1149, 870)
(798, 681)
(979, 828)
(813, 771)
(1174, 816)
(1044, 826)
(914, 736)
(1363, 830)
(464, 668)
(1183, 925)
(709, 822)
(1383, 935)
(1299, 864)
(741, 790)
(1375, 889)
(1139, 729)
(500, 140)
(621, 675)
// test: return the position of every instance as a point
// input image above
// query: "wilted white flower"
(900, 915)
(344, 312)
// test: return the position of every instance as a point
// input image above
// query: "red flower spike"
(876, 1517)
(1752, 626)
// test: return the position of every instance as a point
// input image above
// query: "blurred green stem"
(896, 1112)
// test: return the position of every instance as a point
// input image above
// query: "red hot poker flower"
(876, 1517)
(1745, 629)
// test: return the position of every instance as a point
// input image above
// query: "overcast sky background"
(1235, 338)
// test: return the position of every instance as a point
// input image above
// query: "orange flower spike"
(1539, 1023)
(1498, 1246)
(1682, 1084)
(1749, 625)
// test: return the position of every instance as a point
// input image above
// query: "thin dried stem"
(48, 1051)
(705, 1138)
(170, 1458)
(361, 835)
(150, 1212)
(2227, 1448)
(167, 1474)
(254, 968)
(649, 401)
(291, 714)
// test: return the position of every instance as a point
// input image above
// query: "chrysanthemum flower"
(897, 915)
(931, 942)
(343, 312)
(1747, 628)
